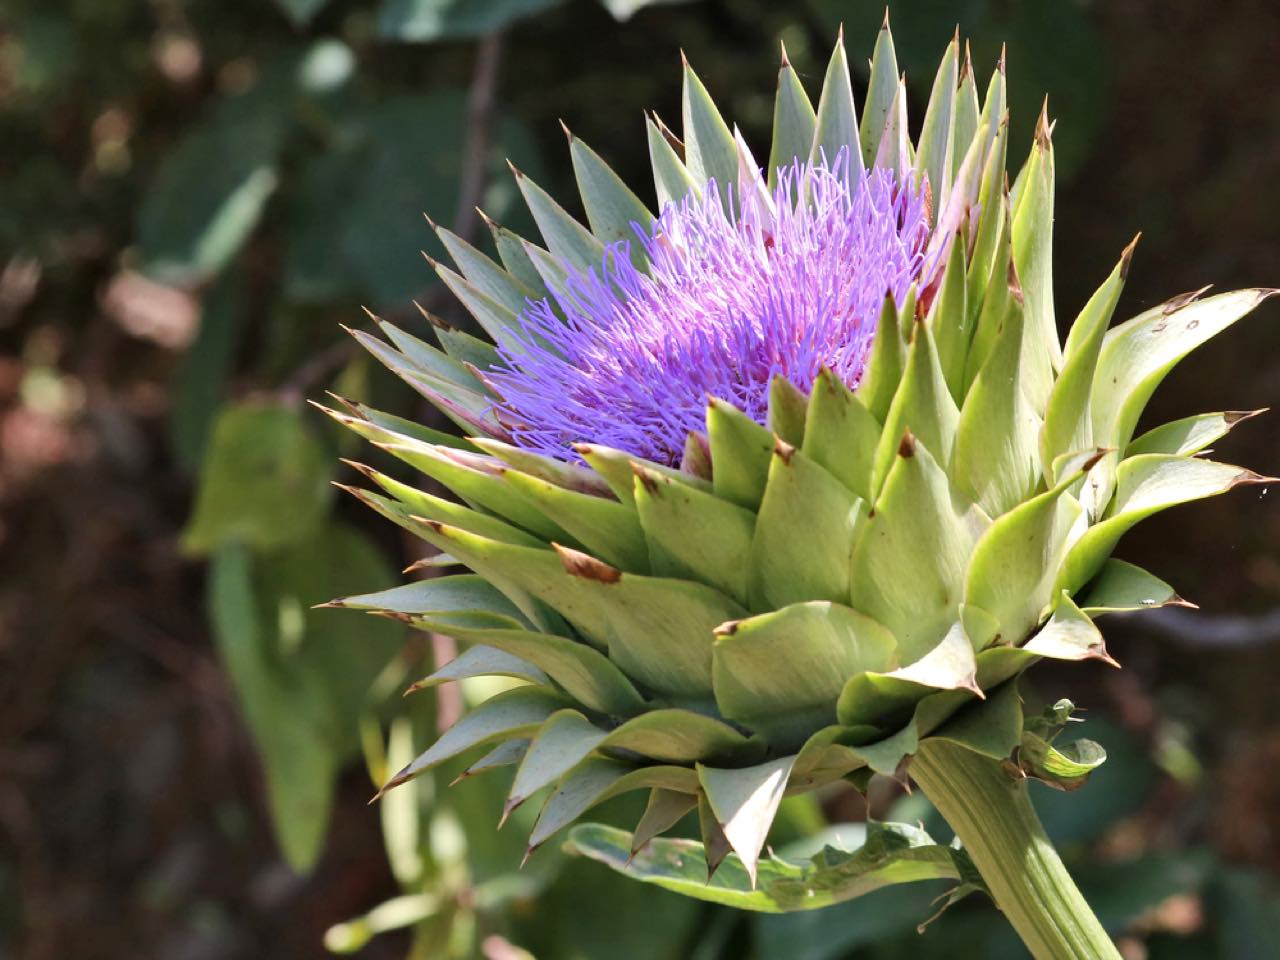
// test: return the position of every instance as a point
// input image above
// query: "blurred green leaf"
(211, 190)
(1246, 905)
(1121, 892)
(265, 481)
(301, 11)
(299, 675)
(626, 9)
(426, 20)
(831, 933)
(198, 388)
(284, 715)
(357, 225)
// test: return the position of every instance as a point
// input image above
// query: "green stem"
(993, 817)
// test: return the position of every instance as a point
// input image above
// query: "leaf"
(567, 240)
(793, 122)
(612, 208)
(995, 459)
(301, 11)
(780, 673)
(693, 534)
(1146, 485)
(933, 156)
(1066, 767)
(1068, 423)
(657, 630)
(882, 89)
(565, 740)
(588, 676)
(908, 566)
(671, 178)
(588, 784)
(1032, 238)
(840, 433)
(378, 231)
(1121, 586)
(211, 190)
(893, 853)
(921, 405)
(264, 482)
(1069, 635)
(1190, 435)
(607, 528)
(804, 534)
(1137, 354)
(625, 9)
(883, 373)
(1013, 568)
(206, 366)
(710, 150)
(741, 453)
(423, 21)
(744, 800)
(886, 699)
(673, 735)
(286, 720)
(514, 714)
(298, 677)
(481, 662)
(836, 124)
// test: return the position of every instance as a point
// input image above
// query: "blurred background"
(194, 194)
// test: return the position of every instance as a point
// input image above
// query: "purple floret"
(729, 300)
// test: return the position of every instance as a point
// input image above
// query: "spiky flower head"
(765, 488)
(728, 289)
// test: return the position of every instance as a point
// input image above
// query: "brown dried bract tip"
(567, 132)
(432, 262)
(361, 468)
(783, 450)
(727, 629)
(673, 141)
(489, 222)
(1004, 51)
(1232, 417)
(647, 478)
(884, 25)
(1044, 131)
(1249, 478)
(966, 67)
(578, 564)
(1099, 652)
(1126, 255)
(514, 169)
(840, 34)
(907, 446)
(1015, 285)
(1174, 304)
(785, 61)
(337, 603)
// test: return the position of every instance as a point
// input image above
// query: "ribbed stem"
(993, 817)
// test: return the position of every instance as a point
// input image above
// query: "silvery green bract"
(805, 600)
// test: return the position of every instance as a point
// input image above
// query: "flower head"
(785, 283)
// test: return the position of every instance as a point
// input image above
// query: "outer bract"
(879, 530)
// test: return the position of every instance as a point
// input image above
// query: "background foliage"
(196, 193)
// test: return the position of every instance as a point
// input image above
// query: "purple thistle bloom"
(792, 283)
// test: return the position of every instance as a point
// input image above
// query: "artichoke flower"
(789, 479)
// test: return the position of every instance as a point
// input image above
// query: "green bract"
(806, 601)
